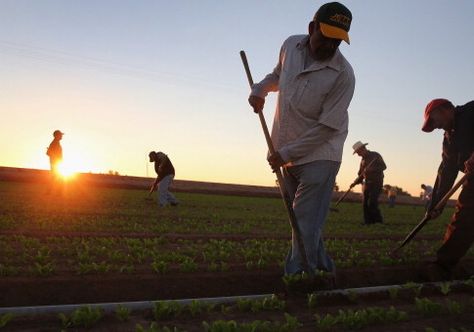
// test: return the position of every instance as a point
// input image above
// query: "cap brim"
(427, 126)
(331, 31)
(360, 147)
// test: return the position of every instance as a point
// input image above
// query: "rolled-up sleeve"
(271, 82)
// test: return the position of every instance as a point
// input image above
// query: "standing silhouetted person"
(392, 196)
(371, 173)
(426, 195)
(165, 171)
(55, 152)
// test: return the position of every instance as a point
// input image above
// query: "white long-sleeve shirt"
(311, 119)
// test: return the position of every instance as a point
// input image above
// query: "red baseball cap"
(432, 105)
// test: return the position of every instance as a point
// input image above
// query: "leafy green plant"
(160, 267)
(268, 303)
(470, 282)
(325, 322)
(6, 271)
(226, 309)
(44, 270)
(82, 317)
(289, 325)
(188, 265)
(155, 328)
(5, 319)
(454, 307)
(426, 307)
(352, 296)
(413, 286)
(293, 281)
(166, 310)
(360, 318)
(65, 321)
(129, 268)
(393, 293)
(213, 267)
(196, 308)
(445, 288)
(122, 313)
(312, 300)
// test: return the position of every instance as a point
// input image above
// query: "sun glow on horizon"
(66, 171)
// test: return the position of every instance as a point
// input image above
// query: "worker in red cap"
(458, 155)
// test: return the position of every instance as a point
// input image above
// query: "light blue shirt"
(311, 118)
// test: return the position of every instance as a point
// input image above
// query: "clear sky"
(121, 78)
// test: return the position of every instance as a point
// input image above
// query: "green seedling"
(415, 287)
(122, 313)
(44, 270)
(5, 319)
(312, 300)
(155, 328)
(160, 267)
(393, 293)
(426, 307)
(188, 265)
(430, 329)
(65, 321)
(352, 296)
(166, 310)
(445, 288)
(85, 316)
(195, 308)
(454, 307)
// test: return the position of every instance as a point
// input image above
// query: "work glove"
(257, 103)
(469, 164)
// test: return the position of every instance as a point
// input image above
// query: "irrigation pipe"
(143, 305)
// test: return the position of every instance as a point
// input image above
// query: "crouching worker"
(165, 175)
(458, 155)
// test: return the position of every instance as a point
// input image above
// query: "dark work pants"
(459, 235)
(371, 194)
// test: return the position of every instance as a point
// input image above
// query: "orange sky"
(126, 79)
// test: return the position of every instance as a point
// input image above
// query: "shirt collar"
(334, 62)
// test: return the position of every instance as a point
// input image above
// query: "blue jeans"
(164, 196)
(310, 186)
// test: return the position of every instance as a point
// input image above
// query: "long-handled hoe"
(427, 216)
(281, 183)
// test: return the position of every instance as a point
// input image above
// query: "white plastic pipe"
(142, 305)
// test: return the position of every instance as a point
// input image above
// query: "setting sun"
(66, 171)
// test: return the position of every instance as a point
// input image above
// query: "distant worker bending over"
(165, 171)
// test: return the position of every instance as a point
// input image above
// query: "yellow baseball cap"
(335, 21)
